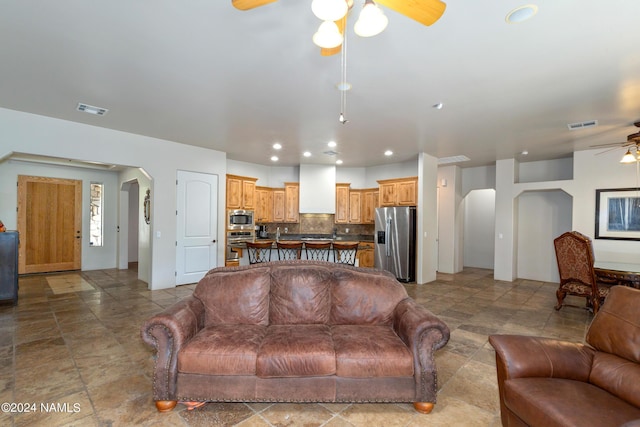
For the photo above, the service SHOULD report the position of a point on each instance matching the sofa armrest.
(168, 332)
(525, 356)
(423, 333)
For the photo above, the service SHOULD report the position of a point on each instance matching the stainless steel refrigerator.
(395, 241)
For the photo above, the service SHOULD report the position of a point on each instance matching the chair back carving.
(317, 251)
(259, 252)
(289, 250)
(345, 253)
(574, 255)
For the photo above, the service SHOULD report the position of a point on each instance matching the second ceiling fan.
(372, 21)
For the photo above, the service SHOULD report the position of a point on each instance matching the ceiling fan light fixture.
(329, 10)
(372, 21)
(628, 157)
(328, 35)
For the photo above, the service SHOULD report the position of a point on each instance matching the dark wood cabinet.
(9, 267)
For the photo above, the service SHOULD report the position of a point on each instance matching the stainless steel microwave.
(240, 219)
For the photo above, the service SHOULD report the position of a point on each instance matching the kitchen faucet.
(277, 234)
(335, 232)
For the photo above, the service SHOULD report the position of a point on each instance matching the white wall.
(479, 224)
(543, 216)
(30, 133)
(92, 257)
(450, 219)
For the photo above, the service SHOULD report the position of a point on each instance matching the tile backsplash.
(320, 224)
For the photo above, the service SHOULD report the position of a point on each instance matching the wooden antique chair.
(345, 253)
(317, 251)
(574, 254)
(259, 252)
(289, 250)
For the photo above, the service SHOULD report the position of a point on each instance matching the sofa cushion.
(555, 402)
(300, 296)
(235, 297)
(370, 351)
(222, 350)
(296, 351)
(364, 298)
(617, 375)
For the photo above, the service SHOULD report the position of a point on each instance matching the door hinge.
(176, 243)
(175, 273)
(176, 182)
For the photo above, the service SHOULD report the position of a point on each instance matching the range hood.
(317, 189)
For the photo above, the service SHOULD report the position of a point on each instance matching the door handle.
(214, 241)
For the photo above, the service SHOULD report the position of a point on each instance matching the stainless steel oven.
(241, 236)
(240, 219)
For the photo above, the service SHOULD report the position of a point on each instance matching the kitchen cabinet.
(264, 204)
(241, 192)
(342, 204)
(399, 192)
(370, 198)
(355, 207)
(292, 202)
(366, 255)
(278, 205)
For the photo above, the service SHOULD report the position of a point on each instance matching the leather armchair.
(549, 382)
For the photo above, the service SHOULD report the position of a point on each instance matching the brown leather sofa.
(547, 382)
(296, 331)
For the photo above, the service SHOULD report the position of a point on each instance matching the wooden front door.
(50, 224)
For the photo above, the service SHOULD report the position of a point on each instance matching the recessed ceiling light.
(332, 144)
(307, 154)
(277, 146)
(338, 162)
(274, 158)
(388, 153)
(521, 14)
(438, 106)
(343, 86)
(524, 153)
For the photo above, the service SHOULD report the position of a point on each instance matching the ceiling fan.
(426, 12)
(632, 143)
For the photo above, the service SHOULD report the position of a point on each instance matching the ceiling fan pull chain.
(343, 83)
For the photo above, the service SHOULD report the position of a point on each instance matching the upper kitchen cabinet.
(399, 192)
(342, 204)
(355, 207)
(370, 200)
(278, 205)
(264, 204)
(241, 192)
(292, 202)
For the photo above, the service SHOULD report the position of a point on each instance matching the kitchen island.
(365, 247)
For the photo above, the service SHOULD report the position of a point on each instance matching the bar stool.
(317, 251)
(259, 252)
(345, 253)
(289, 250)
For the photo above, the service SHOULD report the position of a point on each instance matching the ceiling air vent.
(453, 159)
(98, 111)
(330, 153)
(582, 125)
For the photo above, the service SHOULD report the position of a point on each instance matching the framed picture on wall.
(618, 214)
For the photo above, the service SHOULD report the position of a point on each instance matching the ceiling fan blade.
(425, 12)
(342, 24)
(249, 4)
(613, 144)
(607, 151)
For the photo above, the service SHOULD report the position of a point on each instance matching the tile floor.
(73, 341)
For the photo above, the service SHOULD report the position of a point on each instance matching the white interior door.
(197, 207)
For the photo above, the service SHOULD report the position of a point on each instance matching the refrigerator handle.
(387, 231)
